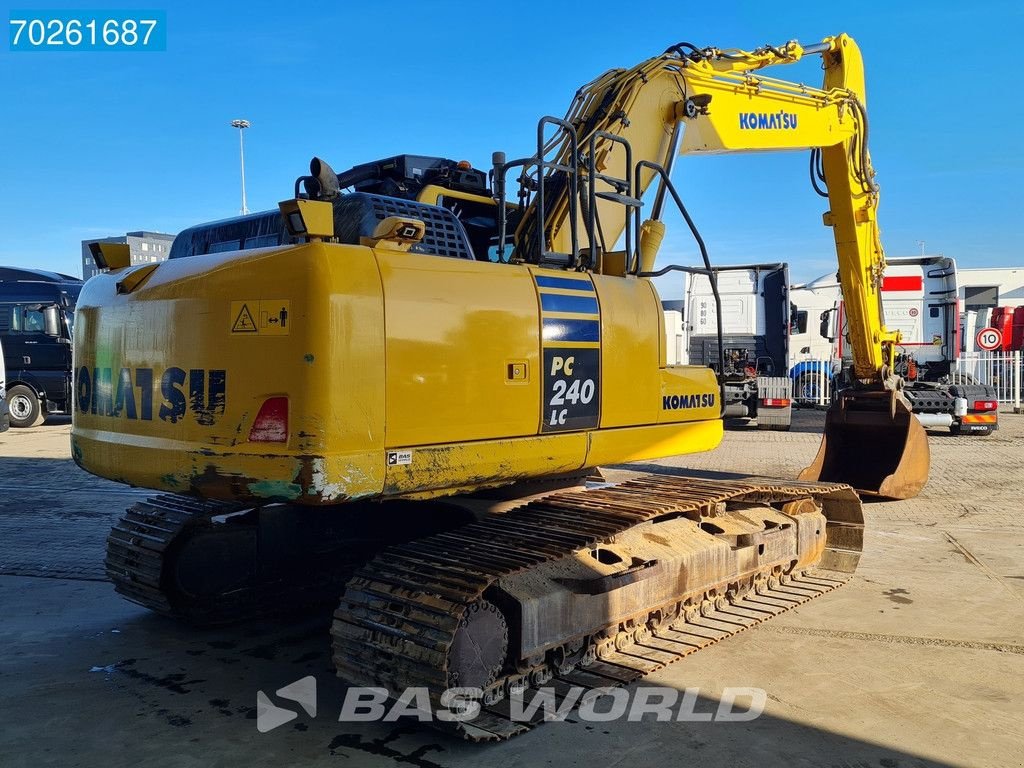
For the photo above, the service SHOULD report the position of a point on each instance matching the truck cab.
(756, 326)
(36, 325)
(919, 297)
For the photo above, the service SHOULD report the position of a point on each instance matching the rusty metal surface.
(874, 443)
(140, 541)
(213, 563)
(405, 611)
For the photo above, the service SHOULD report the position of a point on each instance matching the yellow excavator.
(391, 394)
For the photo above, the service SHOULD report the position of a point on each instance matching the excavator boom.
(711, 101)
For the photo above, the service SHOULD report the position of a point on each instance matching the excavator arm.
(712, 101)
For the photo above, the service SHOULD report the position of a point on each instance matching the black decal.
(206, 402)
(125, 397)
(197, 392)
(102, 394)
(572, 389)
(173, 407)
(144, 381)
(217, 392)
(84, 388)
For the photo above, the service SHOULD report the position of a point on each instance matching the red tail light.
(985, 405)
(271, 424)
(775, 402)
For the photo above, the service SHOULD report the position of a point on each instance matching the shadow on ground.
(146, 687)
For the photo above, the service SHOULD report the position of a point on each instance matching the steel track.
(400, 612)
(401, 609)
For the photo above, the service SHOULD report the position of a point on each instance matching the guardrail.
(812, 386)
(1003, 371)
(1000, 370)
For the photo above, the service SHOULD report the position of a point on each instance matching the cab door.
(36, 348)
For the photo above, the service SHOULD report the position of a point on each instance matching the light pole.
(241, 125)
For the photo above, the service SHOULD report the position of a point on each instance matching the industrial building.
(983, 288)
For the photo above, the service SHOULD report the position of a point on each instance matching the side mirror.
(51, 321)
(826, 324)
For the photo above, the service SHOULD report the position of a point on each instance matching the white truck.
(755, 335)
(811, 350)
(919, 297)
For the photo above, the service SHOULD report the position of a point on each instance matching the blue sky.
(95, 144)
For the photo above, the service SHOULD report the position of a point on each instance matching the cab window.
(798, 321)
(33, 321)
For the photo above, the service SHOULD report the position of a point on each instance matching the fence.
(813, 386)
(1003, 371)
(1000, 370)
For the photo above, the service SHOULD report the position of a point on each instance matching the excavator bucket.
(874, 443)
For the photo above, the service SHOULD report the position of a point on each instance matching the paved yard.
(916, 662)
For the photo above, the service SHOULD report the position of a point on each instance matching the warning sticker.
(264, 317)
(399, 457)
(243, 321)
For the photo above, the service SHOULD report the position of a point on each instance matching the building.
(982, 289)
(145, 247)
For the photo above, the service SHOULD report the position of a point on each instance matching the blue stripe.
(564, 282)
(558, 302)
(572, 330)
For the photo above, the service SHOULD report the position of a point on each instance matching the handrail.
(634, 267)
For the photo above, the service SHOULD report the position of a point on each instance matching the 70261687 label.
(87, 30)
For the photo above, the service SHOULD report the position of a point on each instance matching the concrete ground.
(917, 662)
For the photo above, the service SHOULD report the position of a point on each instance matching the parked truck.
(811, 350)
(919, 298)
(5, 416)
(37, 310)
(756, 325)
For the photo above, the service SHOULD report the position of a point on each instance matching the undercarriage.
(594, 587)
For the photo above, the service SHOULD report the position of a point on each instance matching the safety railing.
(812, 381)
(1003, 371)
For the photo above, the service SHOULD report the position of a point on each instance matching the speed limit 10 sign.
(989, 339)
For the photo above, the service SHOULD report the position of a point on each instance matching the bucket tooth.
(873, 442)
